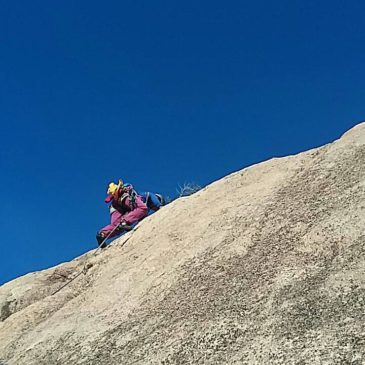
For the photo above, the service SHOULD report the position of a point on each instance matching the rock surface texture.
(265, 266)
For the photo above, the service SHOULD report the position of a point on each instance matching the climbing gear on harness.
(133, 198)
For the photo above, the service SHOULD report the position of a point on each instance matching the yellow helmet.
(113, 187)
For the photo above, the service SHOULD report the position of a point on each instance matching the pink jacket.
(131, 212)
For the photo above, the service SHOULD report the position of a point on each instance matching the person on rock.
(126, 209)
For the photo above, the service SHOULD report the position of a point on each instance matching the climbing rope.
(87, 265)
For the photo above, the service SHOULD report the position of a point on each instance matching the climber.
(126, 209)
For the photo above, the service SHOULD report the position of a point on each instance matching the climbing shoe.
(100, 238)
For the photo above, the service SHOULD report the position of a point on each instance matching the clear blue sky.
(158, 93)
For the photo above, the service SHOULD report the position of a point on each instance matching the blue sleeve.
(155, 201)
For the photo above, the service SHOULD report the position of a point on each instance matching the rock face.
(265, 266)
